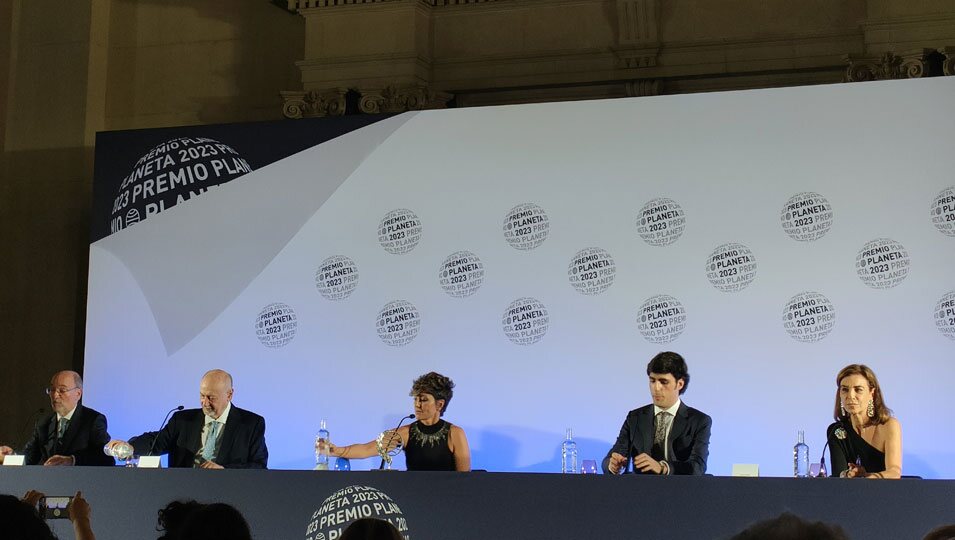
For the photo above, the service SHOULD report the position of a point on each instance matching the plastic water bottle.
(568, 454)
(122, 451)
(321, 456)
(801, 457)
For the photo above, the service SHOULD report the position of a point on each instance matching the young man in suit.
(73, 434)
(665, 437)
(218, 435)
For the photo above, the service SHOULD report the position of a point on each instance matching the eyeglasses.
(50, 390)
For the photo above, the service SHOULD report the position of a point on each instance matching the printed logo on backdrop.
(731, 267)
(461, 274)
(945, 315)
(943, 211)
(808, 317)
(337, 277)
(525, 321)
(398, 323)
(173, 172)
(352, 503)
(661, 222)
(882, 263)
(526, 226)
(399, 231)
(591, 271)
(276, 325)
(661, 319)
(806, 216)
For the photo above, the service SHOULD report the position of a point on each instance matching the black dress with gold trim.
(427, 448)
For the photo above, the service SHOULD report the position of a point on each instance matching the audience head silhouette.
(216, 521)
(791, 527)
(21, 521)
(371, 529)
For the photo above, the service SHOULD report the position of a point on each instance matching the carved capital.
(887, 66)
(643, 87)
(948, 64)
(392, 99)
(909, 65)
(314, 103)
(302, 5)
(638, 42)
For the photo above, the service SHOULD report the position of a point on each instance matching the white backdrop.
(183, 291)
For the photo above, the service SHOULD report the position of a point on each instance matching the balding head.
(215, 392)
(66, 389)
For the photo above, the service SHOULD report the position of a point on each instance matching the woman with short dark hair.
(430, 443)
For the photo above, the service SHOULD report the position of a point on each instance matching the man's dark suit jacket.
(84, 439)
(241, 446)
(689, 442)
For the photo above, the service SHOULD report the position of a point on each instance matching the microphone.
(153, 445)
(822, 461)
(33, 419)
(402, 421)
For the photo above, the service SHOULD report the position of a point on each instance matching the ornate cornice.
(314, 103)
(638, 42)
(643, 87)
(392, 99)
(302, 5)
(948, 65)
(911, 65)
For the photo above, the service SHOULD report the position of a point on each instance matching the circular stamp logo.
(731, 267)
(337, 277)
(807, 216)
(661, 319)
(808, 317)
(591, 271)
(525, 321)
(945, 315)
(943, 211)
(661, 222)
(882, 263)
(276, 325)
(398, 323)
(461, 274)
(526, 226)
(349, 504)
(170, 173)
(399, 231)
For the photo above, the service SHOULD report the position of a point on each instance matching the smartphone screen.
(55, 507)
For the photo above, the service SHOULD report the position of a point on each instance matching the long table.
(307, 505)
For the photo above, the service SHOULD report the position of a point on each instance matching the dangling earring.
(842, 407)
(870, 410)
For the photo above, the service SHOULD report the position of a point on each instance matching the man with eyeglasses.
(218, 435)
(73, 434)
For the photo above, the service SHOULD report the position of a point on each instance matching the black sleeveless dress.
(846, 446)
(427, 448)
